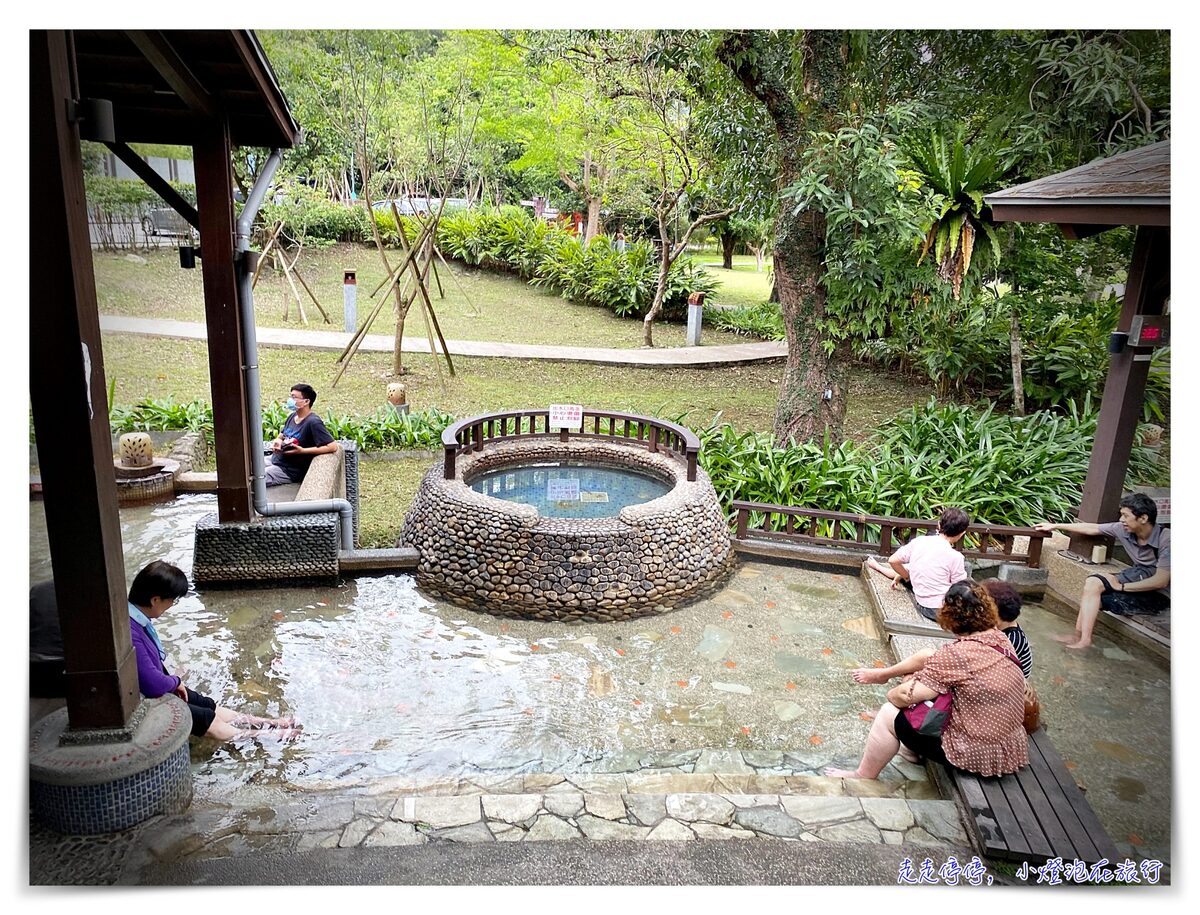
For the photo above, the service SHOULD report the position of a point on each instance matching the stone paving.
(534, 807)
(335, 341)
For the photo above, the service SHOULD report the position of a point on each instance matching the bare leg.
(909, 665)
(882, 744)
(1089, 609)
(885, 571)
(243, 720)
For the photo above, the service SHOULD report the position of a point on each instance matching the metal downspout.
(245, 277)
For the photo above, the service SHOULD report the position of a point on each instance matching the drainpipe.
(245, 276)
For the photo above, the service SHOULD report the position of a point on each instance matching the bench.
(1036, 814)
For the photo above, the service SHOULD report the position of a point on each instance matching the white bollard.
(350, 301)
(695, 318)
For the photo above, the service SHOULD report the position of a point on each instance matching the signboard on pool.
(566, 416)
(559, 490)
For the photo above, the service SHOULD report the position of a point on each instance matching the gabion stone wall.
(300, 547)
(281, 548)
(506, 559)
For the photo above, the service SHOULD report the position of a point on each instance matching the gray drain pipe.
(245, 276)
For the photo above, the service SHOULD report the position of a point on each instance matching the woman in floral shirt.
(985, 733)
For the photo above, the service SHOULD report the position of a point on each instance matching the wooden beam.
(157, 183)
(1077, 214)
(214, 193)
(1125, 386)
(250, 54)
(171, 67)
(70, 414)
(1077, 232)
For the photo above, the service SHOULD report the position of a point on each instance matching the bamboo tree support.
(426, 253)
(266, 252)
(300, 277)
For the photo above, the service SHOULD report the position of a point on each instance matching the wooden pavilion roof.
(1129, 189)
(164, 84)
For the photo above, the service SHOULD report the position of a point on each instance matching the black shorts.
(924, 746)
(203, 710)
(1124, 603)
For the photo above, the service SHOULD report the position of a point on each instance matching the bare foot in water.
(1079, 646)
(1068, 639)
(842, 773)
(869, 675)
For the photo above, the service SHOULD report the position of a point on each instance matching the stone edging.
(504, 558)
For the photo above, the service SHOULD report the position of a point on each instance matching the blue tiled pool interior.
(565, 489)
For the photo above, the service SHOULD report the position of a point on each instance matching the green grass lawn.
(743, 285)
(744, 395)
(478, 304)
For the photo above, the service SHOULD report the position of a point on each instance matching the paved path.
(335, 341)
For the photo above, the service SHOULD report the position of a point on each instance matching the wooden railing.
(850, 531)
(468, 435)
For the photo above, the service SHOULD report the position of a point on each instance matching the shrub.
(313, 219)
(763, 320)
(1001, 469)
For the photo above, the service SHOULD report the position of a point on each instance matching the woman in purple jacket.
(154, 591)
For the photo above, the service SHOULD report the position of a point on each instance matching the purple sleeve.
(152, 682)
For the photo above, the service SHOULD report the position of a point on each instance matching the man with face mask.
(303, 437)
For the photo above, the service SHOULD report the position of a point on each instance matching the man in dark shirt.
(1144, 588)
(303, 437)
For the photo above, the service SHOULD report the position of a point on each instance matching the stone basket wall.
(505, 558)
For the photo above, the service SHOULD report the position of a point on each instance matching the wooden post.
(70, 414)
(214, 195)
(1145, 293)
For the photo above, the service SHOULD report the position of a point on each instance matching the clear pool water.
(571, 490)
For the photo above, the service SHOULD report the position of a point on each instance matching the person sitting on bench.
(985, 733)
(154, 591)
(1144, 588)
(302, 438)
(931, 563)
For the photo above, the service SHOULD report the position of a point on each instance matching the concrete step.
(398, 559)
(196, 481)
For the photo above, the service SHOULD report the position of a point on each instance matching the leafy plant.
(762, 320)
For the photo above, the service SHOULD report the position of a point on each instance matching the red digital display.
(1151, 334)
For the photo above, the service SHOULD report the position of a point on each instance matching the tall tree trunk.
(812, 392)
(660, 288)
(1018, 378)
(728, 241)
(592, 226)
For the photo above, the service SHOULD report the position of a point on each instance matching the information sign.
(566, 416)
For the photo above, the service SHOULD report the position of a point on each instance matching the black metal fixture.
(94, 116)
(1116, 342)
(187, 256)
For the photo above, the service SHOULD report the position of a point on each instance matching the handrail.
(471, 434)
(888, 525)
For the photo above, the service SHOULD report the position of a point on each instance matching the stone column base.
(89, 782)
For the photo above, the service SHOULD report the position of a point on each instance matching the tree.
(798, 78)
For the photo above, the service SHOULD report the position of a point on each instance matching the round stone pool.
(585, 530)
(571, 489)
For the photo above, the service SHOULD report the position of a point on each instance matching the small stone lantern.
(136, 449)
(397, 398)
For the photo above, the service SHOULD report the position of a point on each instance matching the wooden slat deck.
(1036, 814)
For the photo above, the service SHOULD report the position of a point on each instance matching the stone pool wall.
(505, 558)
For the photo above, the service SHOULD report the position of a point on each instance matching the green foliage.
(121, 198)
(762, 320)
(313, 219)
(151, 415)
(1001, 469)
(382, 430)
(550, 256)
